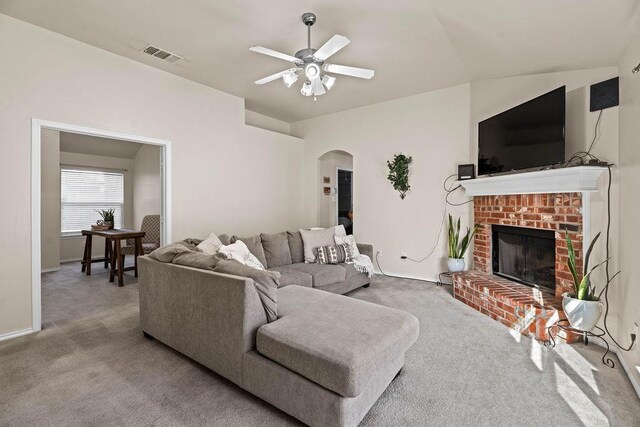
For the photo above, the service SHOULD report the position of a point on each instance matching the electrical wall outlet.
(403, 255)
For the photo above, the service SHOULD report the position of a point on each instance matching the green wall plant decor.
(399, 173)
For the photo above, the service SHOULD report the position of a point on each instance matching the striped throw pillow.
(337, 254)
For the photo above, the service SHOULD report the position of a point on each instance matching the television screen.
(530, 135)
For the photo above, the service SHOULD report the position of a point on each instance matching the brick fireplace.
(527, 309)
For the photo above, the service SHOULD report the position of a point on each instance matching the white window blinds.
(84, 192)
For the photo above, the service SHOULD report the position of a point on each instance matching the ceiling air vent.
(162, 54)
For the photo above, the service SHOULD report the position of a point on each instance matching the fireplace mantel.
(563, 180)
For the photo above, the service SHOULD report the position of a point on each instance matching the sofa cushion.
(254, 244)
(292, 277)
(337, 342)
(276, 249)
(225, 239)
(322, 274)
(351, 270)
(311, 239)
(296, 247)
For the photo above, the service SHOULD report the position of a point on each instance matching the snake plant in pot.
(457, 247)
(583, 307)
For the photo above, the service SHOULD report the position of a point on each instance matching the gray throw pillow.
(254, 244)
(276, 249)
(314, 238)
(169, 252)
(296, 247)
(266, 282)
(199, 260)
(225, 239)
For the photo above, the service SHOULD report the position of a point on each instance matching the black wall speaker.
(605, 94)
(466, 172)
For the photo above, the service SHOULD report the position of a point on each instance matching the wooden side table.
(113, 251)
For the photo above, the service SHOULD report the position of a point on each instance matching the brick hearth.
(523, 308)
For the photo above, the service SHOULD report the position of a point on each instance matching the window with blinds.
(86, 191)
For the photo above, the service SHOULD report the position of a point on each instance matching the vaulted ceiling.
(413, 45)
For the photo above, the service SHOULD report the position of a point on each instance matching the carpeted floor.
(91, 366)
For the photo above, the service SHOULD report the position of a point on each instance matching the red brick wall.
(559, 212)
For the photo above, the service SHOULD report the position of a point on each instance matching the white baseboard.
(50, 270)
(16, 334)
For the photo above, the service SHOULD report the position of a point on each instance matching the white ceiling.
(413, 45)
(96, 146)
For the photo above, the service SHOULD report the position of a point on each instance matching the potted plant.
(457, 247)
(583, 307)
(107, 217)
(399, 173)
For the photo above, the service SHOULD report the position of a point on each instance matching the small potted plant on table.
(583, 307)
(457, 247)
(107, 220)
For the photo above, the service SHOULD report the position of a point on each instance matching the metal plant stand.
(448, 276)
(600, 333)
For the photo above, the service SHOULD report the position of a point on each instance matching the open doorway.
(77, 172)
(344, 178)
(335, 189)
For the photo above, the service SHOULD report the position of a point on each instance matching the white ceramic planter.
(582, 315)
(455, 264)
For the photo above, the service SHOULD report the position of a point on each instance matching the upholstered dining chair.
(151, 241)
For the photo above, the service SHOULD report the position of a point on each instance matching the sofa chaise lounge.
(325, 360)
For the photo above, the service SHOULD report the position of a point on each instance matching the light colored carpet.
(91, 366)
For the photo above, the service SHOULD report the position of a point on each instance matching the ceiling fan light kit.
(310, 63)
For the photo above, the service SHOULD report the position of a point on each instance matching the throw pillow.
(296, 247)
(210, 245)
(336, 254)
(254, 243)
(340, 231)
(311, 239)
(276, 249)
(350, 241)
(240, 253)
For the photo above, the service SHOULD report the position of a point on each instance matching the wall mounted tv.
(529, 136)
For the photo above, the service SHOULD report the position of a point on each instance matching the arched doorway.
(335, 189)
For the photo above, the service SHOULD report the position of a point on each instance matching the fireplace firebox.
(525, 255)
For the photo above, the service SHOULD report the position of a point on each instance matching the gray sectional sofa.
(325, 359)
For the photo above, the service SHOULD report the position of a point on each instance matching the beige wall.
(625, 292)
(146, 184)
(258, 120)
(327, 205)
(55, 78)
(433, 128)
(71, 248)
(50, 200)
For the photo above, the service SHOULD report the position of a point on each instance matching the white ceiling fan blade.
(334, 44)
(275, 54)
(362, 73)
(317, 87)
(275, 76)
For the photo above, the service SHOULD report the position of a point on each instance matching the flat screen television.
(530, 135)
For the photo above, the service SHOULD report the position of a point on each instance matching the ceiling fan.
(310, 64)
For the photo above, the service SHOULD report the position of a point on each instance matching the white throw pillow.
(313, 238)
(340, 231)
(240, 253)
(350, 241)
(210, 245)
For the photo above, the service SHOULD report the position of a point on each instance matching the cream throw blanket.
(363, 264)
